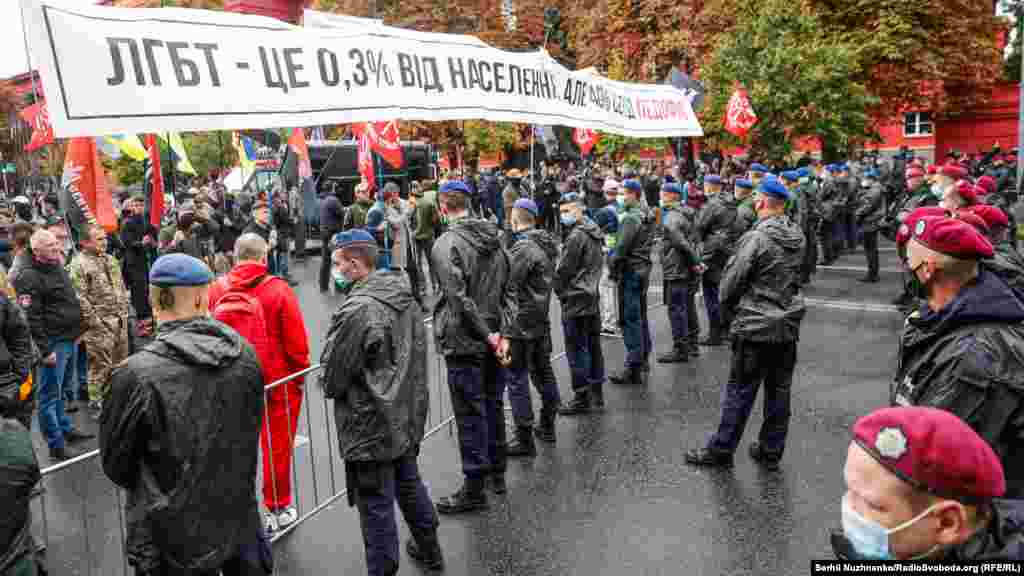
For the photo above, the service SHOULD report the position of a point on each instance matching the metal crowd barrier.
(90, 545)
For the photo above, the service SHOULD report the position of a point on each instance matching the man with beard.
(680, 262)
(960, 351)
(716, 223)
(577, 280)
(761, 292)
(532, 257)
(375, 370)
(474, 306)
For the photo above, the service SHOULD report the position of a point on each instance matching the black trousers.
(810, 265)
(325, 260)
(828, 247)
(871, 251)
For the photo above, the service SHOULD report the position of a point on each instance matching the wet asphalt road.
(613, 496)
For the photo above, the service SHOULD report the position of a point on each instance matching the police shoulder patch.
(920, 228)
(891, 443)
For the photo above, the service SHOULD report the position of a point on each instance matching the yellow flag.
(184, 166)
(129, 145)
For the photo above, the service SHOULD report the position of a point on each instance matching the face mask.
(621, 201)
(341, 281)
(568, 219)
(937, 191)
(869, 540)
(865, 183)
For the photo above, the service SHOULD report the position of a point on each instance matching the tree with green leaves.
(801, 83)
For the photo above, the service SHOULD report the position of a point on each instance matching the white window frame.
(920, 120)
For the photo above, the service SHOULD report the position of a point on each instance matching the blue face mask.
(868, 539)
(568, 219)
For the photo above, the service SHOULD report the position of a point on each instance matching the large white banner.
(123, 70)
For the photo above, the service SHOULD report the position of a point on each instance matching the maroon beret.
(914, 172)
(979, 224)
(951, 237)
(932, 450)
(954, 171)
(903, 234)
(967, 191)
(994, 217)
(988, 183)
(933, 169)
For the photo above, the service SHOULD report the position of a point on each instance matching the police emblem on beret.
(891, 443)
(919, 229)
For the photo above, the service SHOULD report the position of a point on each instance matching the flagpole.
(533, 183)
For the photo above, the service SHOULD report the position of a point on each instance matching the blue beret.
(844, 167)
(760, 168)
(354, 237)
(745, 184)
(871, 173)
(773, 187)
(607, 219)
(672, 188)
(791, 175)
(833, 168)
(571, 198)
(454, 186)
(713, 179)
(179, 270)
(632, 184)
(804, 172)
(528, 205)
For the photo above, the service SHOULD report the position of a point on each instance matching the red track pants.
(283, 404)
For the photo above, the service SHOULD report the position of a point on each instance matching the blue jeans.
(53, 422)
(754, 363)
(80, 379)
(636, 331)
(583, 351)
(398, 480)
(465, 383)
(712, 305)
(678, 297)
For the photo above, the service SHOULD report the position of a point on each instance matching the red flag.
(154, 180)
(86, 183)
(39, 118)
(385, 140)
(586, 139)
(297, 142)
(365, 154)
(739, 117)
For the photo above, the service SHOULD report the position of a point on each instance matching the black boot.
(709, 458)
(678, 355)
(428, 555)
(580, 405)
(767, 460)
(498, 482)
(868, 279)
(627, 376)
(714, 336)
(597, 397)
(469, 498)
(523, 445)
(545, 429)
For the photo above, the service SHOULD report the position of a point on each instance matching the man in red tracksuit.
(286, 354)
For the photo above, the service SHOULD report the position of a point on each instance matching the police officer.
(869, 216)
(762, 286)
(921, 485)
(716, 224)
(848, 206)
(532, 257)
(631, 263)
(919, 194)
(375, 370)
(577, 279)
(810, 215)
(746, 216)
(960, 350)
(1006, 261)
(831, 200)
(474, 306)
(680, 262)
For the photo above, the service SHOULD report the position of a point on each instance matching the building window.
(917, 124)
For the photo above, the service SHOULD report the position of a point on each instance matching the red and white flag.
(154, 180)
(586, 139)
(739, 116)
(39, 118)
(297, 142)
(386, 140)
(365, 154)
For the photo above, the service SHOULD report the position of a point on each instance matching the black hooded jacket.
(375, 369)
(532, 259)
(578, 275)
(761, 285)
(19, 473)
(476, 298)
(180, 432)
(716, 222)
(679, 253)
(51, 305)
(968, 358)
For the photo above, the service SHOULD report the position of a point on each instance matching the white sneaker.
(287, 517)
